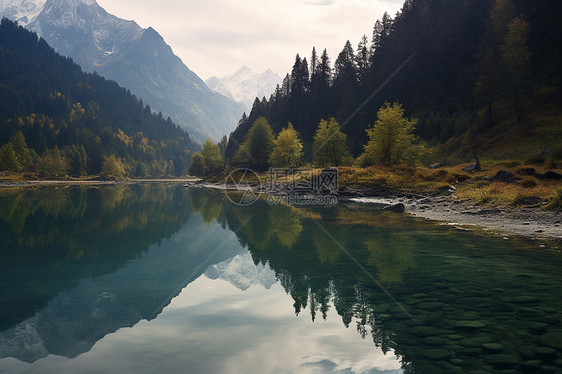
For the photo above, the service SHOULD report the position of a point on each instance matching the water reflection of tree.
(286, 223)
(328, 251)
(207, 203)
(318, 275)
(39, 219)
(389, 253)
(260, 225)
(66, 231)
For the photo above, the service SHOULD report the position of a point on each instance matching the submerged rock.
(435, 354)
(470, 324)
(546, 353)
(475, 342)
(501, 360)
(525, 299)
(492, 346)
(527, 351)
(426, 331)
(470, 316)
(455, 336)
(470, 351)
(434, 341)
(550, 369)
(538, 326)
(531, 366)
(398, 208)
(431, 305)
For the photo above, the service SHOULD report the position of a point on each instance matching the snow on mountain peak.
(244, 85)
(244, 69)
(89, 26)
(72, 3)
(22, 11)
(27, 11)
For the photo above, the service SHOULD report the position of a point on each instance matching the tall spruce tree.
(362, 59)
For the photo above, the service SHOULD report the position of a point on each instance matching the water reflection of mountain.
(137, 253)
(465, 302)
(242, 272)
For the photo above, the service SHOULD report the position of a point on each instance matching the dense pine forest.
(478, 76)
(58, 121)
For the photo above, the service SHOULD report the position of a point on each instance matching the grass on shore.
(528, 191)
(478, 187)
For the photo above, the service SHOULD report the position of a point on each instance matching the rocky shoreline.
(526, 221)
(531, 222)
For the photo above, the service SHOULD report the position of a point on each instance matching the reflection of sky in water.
(163, 292)
(213, 327)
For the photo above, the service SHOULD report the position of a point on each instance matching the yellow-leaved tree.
(113, 168)
(391, 139)
(287, 149)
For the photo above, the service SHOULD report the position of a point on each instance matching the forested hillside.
(56, 120)
(479, 75)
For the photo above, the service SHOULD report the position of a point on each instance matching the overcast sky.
(216, 37)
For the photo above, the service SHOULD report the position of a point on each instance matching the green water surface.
(158, 278)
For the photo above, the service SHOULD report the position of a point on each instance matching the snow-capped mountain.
(22, 11)
(138, 59)
(244, 85)
(241, 272)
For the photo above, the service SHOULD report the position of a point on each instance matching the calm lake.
(156, 278)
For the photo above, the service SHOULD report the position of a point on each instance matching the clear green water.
(156, 278)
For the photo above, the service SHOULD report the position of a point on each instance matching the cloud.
(319, 2)
(213, 327)
(216, 37)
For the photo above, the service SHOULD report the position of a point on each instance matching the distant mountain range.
(244, 85)
(242, 272)
(138, 59)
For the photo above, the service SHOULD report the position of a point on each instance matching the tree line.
(391, 140)
(56, 120)
(458, 66)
